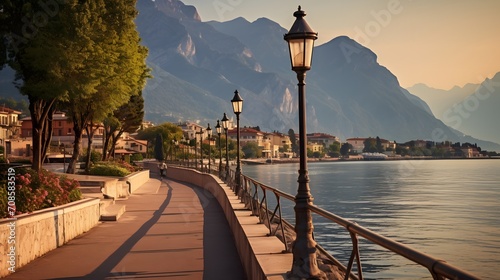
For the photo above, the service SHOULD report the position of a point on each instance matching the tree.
(370, 145)
(159, 152)
(34, 51)
(115, 66)
(293, 139)
(345, 149)
(168, 132)
(334, 149)
(127, 118)
(378, 144)
(83, 53)
(252, 150)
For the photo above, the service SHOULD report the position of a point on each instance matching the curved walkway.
(170, 230)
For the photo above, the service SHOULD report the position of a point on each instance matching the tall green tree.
(251, 150)
(84, 53)
(334, 149)
(117, 68)
(168, 131)
(378, 144)
(370, 145)
(159, 151)
(129, 118)
(293, 139)
(345, 149)
(34, 34)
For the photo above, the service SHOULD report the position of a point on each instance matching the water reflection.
(446, 208)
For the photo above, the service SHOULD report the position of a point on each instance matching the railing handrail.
(437, 268)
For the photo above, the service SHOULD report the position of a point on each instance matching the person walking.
(163, 169)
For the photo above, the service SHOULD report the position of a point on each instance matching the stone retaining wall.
(42, 231)
(135, 180)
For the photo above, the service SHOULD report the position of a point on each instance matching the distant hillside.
(472, 109)
(7, 88)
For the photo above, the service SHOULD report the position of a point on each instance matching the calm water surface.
(449, 209)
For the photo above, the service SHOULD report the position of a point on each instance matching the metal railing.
(256, 197)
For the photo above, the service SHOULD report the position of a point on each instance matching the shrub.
(126, 165)
(136, 157)
(95, 156)
(3, 201)
(109, 169)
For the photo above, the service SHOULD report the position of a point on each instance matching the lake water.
(449, 209)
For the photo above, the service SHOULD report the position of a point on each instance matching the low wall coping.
(49, 212)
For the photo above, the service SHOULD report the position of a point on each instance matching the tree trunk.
(90, 138)
(76, 149)
(112, 148)
(105, 144)
(114, 140)
(47, 133)
(39, 111)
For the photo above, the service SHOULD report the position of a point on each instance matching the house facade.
(9, 123)
(247, 135)
(63, 134)
(322, 139)
(190, 130)
(357, 143)
(10, 130)
(273, 142)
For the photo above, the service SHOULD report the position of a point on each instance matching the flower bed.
(38, 190)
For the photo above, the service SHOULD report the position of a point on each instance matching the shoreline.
(297, 160)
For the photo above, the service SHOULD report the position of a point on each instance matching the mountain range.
(472, 109)
(197, 66)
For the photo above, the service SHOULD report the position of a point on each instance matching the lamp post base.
(305, 265)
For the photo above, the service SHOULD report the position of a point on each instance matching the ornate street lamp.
(201, 149)
(300, 40)
(218, 129)
(237, 103)
(188, 151)
(225, 125)
(209, 136)
(196, 149)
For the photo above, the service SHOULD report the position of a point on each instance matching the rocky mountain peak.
(177, 9)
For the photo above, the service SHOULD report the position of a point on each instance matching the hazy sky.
(440, 43)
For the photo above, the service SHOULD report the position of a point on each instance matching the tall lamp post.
(225, 125)
(196, 150)
(300, 40)
(209, 136)
(201, 149)
(218, 129)
(237, 103)
(188, 151)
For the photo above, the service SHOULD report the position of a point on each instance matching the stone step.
(90, 189)
(112, 212)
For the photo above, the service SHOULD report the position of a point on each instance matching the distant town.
(254, 143)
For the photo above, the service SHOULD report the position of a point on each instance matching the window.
(69, 130)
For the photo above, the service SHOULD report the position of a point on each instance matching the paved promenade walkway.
(170, 230)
